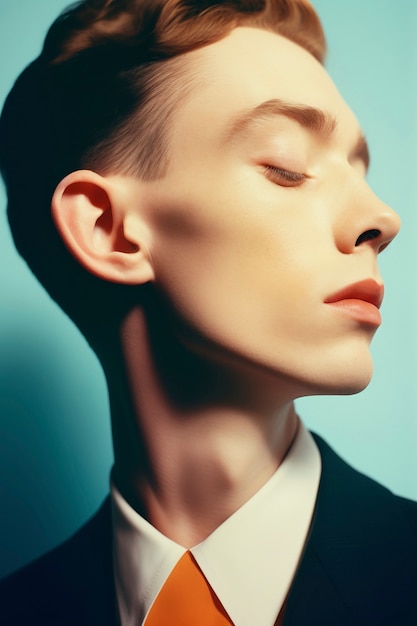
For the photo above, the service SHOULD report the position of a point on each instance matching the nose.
(372, 223)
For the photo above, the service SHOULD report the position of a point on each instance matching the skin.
(239, 259)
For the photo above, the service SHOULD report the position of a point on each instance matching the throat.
(200, 475)
(186, 461)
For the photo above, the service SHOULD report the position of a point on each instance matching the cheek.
(202, 269)
(197, 270)
(236, 258)
(228, 278)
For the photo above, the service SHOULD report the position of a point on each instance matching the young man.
(187, 182)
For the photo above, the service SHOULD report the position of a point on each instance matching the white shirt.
(249, 560)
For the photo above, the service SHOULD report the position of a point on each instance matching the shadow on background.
(51, 460)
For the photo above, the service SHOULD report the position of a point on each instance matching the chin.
(351, 383)
(342, 381)
(351, 388)
(347, 371)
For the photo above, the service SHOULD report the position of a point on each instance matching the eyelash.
(292, 178)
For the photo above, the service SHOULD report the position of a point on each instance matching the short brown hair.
(101, 96)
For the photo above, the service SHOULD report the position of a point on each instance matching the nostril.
(368, 235)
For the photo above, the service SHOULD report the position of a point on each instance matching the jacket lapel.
(314, 600)
(353, 571)
(317, 597)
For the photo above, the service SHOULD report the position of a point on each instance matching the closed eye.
(285, 178)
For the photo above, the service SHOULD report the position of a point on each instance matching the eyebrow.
(316, 121)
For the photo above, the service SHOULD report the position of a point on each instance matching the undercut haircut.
(102, 95)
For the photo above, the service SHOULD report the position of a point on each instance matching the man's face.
(256, 224)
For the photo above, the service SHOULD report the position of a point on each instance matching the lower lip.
(361, 311)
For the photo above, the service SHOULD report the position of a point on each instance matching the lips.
(366, 290)
(360, 300)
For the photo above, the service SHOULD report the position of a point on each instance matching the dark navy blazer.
(359, 567)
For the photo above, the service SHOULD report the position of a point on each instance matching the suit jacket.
(359, 566)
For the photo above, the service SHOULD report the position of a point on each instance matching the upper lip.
(367, 290)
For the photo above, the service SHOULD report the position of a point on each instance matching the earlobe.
(102, 228)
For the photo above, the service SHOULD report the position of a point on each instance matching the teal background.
(55, 448)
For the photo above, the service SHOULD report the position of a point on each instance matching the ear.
(99, 221)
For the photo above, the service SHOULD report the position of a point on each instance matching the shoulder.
(70, 585)
(365, 539)
(367, 500)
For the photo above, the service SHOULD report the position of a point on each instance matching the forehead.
(252, 66)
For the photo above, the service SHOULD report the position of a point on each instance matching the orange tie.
(186, 599)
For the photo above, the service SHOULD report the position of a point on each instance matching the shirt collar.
(249, 560)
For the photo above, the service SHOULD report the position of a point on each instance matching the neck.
(187, 459)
